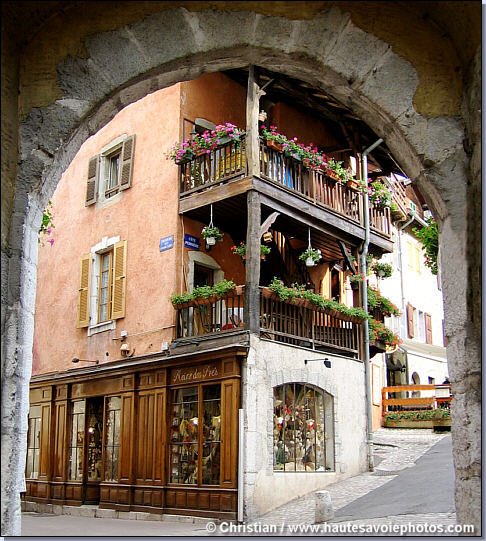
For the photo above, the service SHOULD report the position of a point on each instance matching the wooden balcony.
(295, 323)
(226, 165)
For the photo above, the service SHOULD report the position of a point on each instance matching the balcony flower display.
(376, 301)
(311, 257)
(380, 196)
(295, 293)
(241, 250)
(211, 234)
(205, 143)
(205, 293)
(356, 279)
(378, 332)
(309, 155)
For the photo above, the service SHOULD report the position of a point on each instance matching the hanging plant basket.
(309, 262)
(355, 286)
(210, 241)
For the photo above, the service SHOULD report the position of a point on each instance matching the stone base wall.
(270, 364)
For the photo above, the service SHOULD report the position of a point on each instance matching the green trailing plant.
(383, 270)
(286, 293)
(310, 253)
(419, 415)
(241, 249)
(429, 237)
(376, 301)
(378, 332)
(223, 288)
(338, 168)
(357, 278)
(212, 231)
(220, 289)
(181, 298)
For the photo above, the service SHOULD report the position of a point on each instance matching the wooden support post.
(252, 109)
(252, 293)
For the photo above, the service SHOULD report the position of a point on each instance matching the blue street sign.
(166, 243)
(191, 242)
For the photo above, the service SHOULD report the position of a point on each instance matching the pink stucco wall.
(142, 215)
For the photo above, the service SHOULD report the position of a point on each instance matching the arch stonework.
(432, 132)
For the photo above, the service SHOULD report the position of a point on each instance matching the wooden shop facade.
(157, 435)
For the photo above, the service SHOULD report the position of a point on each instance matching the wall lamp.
(326, 361)
(77, 360)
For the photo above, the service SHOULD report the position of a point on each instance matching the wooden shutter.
(410, 320)
(119, 279)
(84, 289)
(93, 174)
(127, 163)
(428, 329)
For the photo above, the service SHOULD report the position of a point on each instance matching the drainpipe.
(364, 270)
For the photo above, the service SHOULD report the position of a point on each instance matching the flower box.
(274, 145)
(352, 184)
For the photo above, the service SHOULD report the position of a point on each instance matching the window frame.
(34, 434)
(326, 444)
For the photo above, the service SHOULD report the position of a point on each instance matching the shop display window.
(112, 439)
(76, 442)
(195, 449)
(33, 443)
(303, 429)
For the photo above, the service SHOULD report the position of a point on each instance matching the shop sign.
(191, 242)
(198, 373)
(166, 243)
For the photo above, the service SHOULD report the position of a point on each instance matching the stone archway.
(334, 51)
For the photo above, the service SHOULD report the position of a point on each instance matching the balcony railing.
(208, 316)
(224, 163)
(228, 162)
(380, 220)
(297, 323)
(289, 322)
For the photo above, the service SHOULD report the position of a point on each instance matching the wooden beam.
(252, 109)
(252, 293)
(215, 194)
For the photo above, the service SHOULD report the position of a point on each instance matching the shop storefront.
(159, 437)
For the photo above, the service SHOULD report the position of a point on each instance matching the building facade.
(230, 403)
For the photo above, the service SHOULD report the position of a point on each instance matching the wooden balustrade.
(380, 220)
(219, 165)
(299, 324)
(213, 315)
(228, 162)
(290, 322)
(336, 196)
(414, 397)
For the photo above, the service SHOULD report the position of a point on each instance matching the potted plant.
(355, 280)
(311, 256)
(241, 250)
(211, 234)
(382, 270)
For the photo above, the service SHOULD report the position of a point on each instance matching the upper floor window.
(102, 285)
(419, 325)
(111, 171)
(414, 257)
(303, 428)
